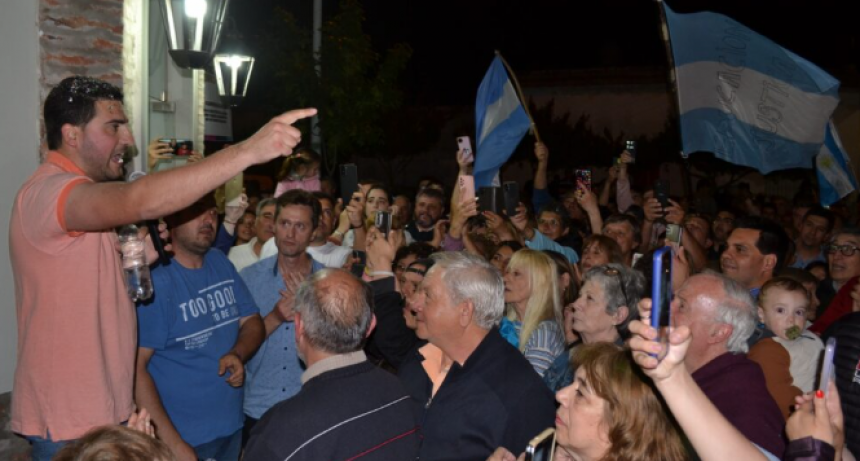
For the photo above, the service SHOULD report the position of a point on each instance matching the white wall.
(180, 84)
(19, 155)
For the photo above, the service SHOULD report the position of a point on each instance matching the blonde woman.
(534, 319)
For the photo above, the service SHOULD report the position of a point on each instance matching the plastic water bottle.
(137, 279)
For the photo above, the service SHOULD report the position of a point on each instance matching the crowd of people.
(292, 326)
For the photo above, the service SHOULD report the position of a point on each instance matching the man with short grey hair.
(244, 255)
(476, 392)
(719, 313)
(347, 407)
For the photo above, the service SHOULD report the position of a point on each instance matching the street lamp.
(233, 72)
(193, 29)
(233, 65)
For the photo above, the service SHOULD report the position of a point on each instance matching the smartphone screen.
(542, 447)
(184, 147)
(827, 365)
(661, 295)
(383, 222)
(465, 144)
(673, 233)
(348, 182)
(584, 177)
(512, 197)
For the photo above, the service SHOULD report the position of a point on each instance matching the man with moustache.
(755, 251)
(274, 374)
(195, 335)
(428, 210)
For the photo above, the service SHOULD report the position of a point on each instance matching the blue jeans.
(45, 449)
(222, 449)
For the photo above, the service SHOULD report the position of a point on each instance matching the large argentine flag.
(501, 123)
(835, 175)
(745, 98)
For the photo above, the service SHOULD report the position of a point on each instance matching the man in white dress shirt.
(244, 255)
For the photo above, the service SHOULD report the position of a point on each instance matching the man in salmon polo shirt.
(77, 332)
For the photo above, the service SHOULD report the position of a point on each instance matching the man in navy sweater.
(483, 393)
(346, 407)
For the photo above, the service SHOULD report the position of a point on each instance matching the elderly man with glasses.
(843, 259)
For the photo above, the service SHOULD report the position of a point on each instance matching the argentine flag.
(745, 98)
(835, 175)
(501, 123)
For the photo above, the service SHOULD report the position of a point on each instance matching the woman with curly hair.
(611, 412)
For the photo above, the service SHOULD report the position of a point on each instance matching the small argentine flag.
(745, 98)
(835, 175)
(501, 123)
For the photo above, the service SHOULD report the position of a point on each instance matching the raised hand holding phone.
(630, 150)
(661, 295)
(348, 182)
(827, 366)
(583, 179)
(465, 155)
(467, 187)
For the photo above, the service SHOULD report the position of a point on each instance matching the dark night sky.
(453, 41)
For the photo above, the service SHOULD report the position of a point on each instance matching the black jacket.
(391, 340)
(346, 413)
(846, 330)
(495, 399)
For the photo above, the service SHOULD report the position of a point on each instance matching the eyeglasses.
(846, 250)
(617, 274)
(415, 270)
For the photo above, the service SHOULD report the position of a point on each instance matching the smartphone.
(542, 447)
(465, 144)
(584, 177)
(673, 233)
(490, 199)
(661, 193)
(184, 147)
(827, 365)
(179, 146)
(630, 147)
(467, 187)
(661, 295)
(348, 182)
(233, 187)
(357, 268)
(512, 197)
(382, 222)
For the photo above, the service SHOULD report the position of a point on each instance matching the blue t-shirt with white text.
(190, 323)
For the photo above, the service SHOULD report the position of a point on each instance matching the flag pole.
(673, 84)
(519, 90)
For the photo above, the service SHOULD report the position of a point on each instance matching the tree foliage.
(355, 89)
